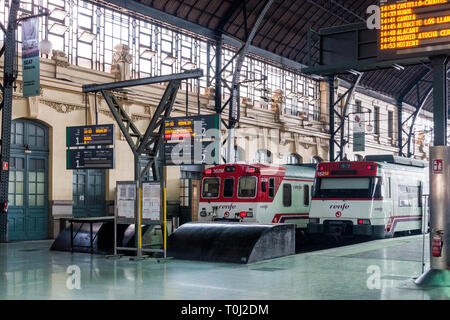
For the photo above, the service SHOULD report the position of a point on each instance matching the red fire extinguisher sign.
(438, 166)
(437, 246)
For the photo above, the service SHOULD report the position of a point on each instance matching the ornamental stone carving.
(121, 62)
(277, 100)
(60, 58)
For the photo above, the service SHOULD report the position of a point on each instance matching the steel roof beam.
(234, 112)
(143, 81)
(232, 10)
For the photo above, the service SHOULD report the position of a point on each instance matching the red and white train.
(257, 193)
(379, 197)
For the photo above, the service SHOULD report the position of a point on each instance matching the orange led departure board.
(414, 28)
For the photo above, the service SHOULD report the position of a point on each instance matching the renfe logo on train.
(342, 207)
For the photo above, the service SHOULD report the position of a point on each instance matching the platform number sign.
(438, 166)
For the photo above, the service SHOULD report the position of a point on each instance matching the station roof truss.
(282, 34)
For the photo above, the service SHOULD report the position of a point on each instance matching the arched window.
(358, 157)
(316, 160)
(294, 158)
(263, 156)
(27, 134)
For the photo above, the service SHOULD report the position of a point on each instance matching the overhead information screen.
(90, 135)
(413, 28)
(192, 140)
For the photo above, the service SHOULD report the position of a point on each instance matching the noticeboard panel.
(151, 201)
(126, 199)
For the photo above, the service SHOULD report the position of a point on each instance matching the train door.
(263, 213)
(28, 181)
(388, 199)
(394, 197)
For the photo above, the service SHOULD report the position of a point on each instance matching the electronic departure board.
(90, 159)
(90, 135)
(184, 127)
(192, 140)
(413, 28)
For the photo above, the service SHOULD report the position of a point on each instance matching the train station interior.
(224, 150)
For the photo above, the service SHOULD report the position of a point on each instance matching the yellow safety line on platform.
(165, 223)
(140, 218)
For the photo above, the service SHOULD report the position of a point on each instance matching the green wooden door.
(28, 181)
(89, 193)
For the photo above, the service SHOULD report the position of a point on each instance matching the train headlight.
(203, 213)
(314, 220)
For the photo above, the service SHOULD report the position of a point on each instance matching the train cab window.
(287, 195)
(211, 188)
(247, 187)
(271, 187)
(361, 188)
(306, 195)
(228, 188)
(263, 187)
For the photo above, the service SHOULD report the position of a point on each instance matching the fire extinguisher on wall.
(437, 244)
(5, 206)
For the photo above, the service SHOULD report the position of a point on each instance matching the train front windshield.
(211, 187)
(359, 188)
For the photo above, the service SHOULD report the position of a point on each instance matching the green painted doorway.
(89, 193)
(28, 181)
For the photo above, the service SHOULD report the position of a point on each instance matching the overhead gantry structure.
(288, 33)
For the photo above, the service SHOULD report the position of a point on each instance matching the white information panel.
(151, 201)
(126, 197)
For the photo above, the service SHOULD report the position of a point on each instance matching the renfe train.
(257, 193)
(378, 197)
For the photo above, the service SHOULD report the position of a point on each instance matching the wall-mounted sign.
(413, 28)
(90, 159)
(30, 57)
(90, 135)
(438, 166)
(359, 135)
(192, 140)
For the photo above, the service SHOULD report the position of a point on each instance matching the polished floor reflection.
(381, 269)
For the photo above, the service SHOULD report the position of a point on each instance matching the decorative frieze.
(62, 107)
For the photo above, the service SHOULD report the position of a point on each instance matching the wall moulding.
(62, 107)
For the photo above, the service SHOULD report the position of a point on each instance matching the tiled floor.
(30, 271)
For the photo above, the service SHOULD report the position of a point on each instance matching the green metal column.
(8, 80)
